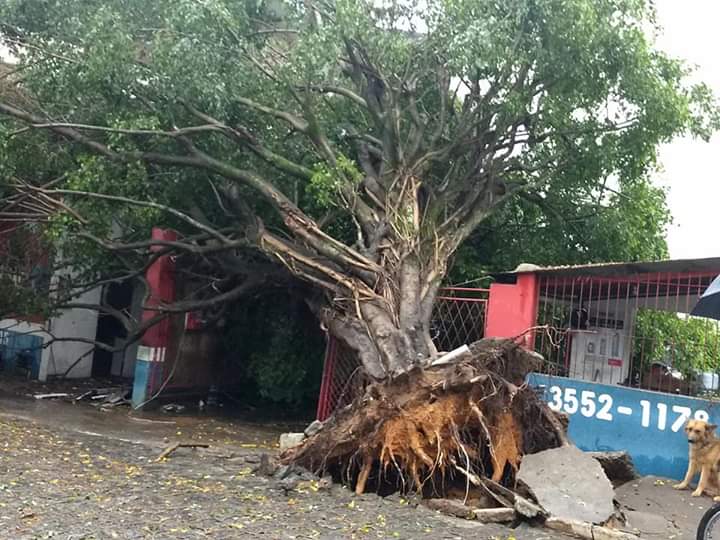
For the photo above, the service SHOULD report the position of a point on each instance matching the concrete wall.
(648, 425)
(72, 323)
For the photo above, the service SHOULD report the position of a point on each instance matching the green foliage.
(276, 344)
(324, 186)
(136, 62)
(21, 300)
(688, 344)
(24, 274)
(629, 225)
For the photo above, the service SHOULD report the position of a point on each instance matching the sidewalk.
(660, 512)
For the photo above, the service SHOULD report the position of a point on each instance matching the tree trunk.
(388, 337)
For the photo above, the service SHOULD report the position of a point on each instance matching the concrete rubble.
(569, 484)
(289, 440)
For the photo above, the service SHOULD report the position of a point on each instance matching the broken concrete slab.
(494, 515)
(618, 466)
(526, 508)
(313, 428)
(289, 440)
(649, 525)
(451, 507)
(569, 484)
(585, 530)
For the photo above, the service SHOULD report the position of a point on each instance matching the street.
(57, 481)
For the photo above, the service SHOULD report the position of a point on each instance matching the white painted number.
(591, 405)
(571, 401)
(606, 401)
(684, 413)
(645, 404)
(556, 403)
(587, 399)
(662, 416)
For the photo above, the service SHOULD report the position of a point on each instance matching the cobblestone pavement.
(57, 483)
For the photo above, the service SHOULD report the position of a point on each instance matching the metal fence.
(629, 330)
(459, 318)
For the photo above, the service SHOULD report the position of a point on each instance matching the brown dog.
(704, 457)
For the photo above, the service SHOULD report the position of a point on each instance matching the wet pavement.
(76, 472)
(657, 512)
(121, 423)
(56, 483)
(147, 428)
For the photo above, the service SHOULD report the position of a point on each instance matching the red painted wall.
(161, 281)
(512, 310)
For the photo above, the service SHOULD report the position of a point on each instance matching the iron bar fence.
(630, 330)
(459, 318)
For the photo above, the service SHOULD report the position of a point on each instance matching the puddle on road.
(154, 428)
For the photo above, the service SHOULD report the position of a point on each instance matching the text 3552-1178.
(601, 406)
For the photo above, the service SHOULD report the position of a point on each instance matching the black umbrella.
(709, 303)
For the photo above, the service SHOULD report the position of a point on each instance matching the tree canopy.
(354, 145)
(628, 225)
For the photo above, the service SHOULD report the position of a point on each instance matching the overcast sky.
(691, 167)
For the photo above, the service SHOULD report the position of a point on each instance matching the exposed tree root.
(462, 425)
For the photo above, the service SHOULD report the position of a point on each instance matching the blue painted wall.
(14, 343)
(648, 425)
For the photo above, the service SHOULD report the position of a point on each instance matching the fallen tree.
(464, 424)
(352, 146)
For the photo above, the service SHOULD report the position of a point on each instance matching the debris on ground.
(587, 531)
(267, 465)
(105, 398)
(102, 398)
(569, 484)
(170, 449)
(290, 440)
(313, 428)
(494, 515)
(618, 466)
(173, 408)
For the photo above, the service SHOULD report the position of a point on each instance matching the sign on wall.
(648, 425)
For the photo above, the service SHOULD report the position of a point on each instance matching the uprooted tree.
(350, 145)
(466, 422)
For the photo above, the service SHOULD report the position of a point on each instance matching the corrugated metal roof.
(676, 266)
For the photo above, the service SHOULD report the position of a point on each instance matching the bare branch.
(340, 91)
(296, 122)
